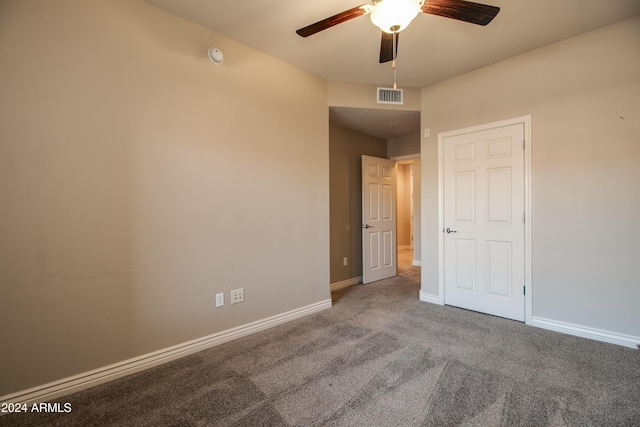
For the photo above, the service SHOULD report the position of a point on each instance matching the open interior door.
(379, 253)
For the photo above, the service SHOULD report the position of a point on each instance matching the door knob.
(448, 230)
(367, 226)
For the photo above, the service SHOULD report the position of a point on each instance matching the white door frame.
(526, 121)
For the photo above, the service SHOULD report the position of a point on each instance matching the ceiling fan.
(393, 16)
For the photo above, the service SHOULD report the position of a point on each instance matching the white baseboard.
(585, 332)
(345, 283)
(433, 299)
(417, 263)
(95, 377)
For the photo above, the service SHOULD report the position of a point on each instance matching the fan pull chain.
(395, 85)
(393, 63)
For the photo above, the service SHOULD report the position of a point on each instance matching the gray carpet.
(379, 357)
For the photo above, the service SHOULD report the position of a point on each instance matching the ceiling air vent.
(389, 96)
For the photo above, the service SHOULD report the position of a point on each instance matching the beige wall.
(346, 148)
(583, 95)
(138, 179)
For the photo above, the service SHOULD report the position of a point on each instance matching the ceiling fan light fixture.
(393, 16)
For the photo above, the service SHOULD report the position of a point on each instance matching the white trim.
(433, 299)
(585, 332)
(416, 263)
(528, 277)
(92, 378)
(345, 283)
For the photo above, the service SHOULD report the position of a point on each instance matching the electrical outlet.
(219, 299)
(237, 295)
(345, 261)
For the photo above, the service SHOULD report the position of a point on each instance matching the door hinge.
(523, 142)
(524, 290)
(524, 217)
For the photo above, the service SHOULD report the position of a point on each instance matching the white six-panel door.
(483, 221)
(379, 257)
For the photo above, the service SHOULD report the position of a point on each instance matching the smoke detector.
(216, 56)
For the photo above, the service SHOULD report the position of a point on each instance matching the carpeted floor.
(379, 357)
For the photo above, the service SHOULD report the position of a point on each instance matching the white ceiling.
(431, 49)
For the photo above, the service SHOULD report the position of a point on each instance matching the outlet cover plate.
(237, 295)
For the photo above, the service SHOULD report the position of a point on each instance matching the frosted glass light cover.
(394, 15)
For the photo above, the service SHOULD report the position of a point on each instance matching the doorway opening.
(408, 210)
(347, 143)
(405, 212)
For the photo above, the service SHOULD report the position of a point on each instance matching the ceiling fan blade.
(462, 10)
(334, 20)
(388, 51)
